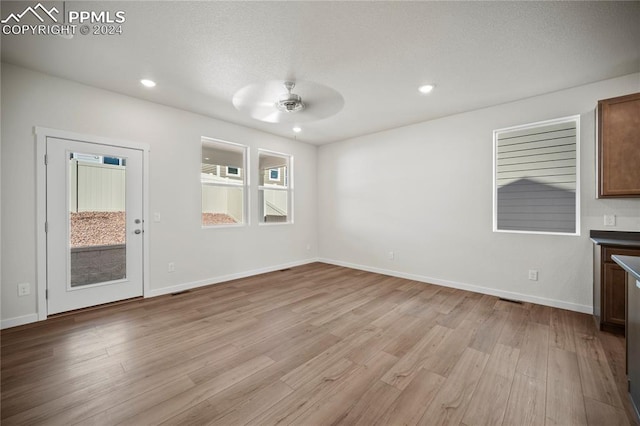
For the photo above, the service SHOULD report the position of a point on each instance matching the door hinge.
(46, 227)
(46, 160)
(46, 294)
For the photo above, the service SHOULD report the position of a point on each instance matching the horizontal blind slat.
(538, 129)
(537, 151)
(566, 227)
(543, 164)
(533, 145)
(533, 157)
(527, 174)
(537, 137)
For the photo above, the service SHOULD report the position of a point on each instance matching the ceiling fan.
(275, 102)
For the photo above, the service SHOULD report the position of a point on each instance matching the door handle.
(137, 231)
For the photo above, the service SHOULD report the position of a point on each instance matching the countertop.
(615, 238)
(631, 264)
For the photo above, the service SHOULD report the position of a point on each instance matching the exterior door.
(94, 224)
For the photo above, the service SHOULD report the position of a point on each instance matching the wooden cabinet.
(619, 146)
(613, 295)
(612, 289)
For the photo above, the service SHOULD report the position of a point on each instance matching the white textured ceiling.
(375, 54)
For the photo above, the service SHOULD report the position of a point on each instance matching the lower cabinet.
(613, 289)
(614, 295)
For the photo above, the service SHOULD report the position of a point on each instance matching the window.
(98, 159)
(275, 187)
(536, 179)
(224, 183)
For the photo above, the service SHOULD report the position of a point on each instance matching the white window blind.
(536, 177)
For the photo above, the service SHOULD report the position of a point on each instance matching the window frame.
(288, 187)
(245, 185)
(496, 133)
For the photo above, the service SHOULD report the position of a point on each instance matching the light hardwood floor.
(315, 345)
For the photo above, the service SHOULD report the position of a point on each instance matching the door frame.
(42, 133)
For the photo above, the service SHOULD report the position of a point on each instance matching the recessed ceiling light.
(427, 88)
(297, 129)
(148, 83)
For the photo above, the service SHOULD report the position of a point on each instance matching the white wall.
(200, 255)
(433, 204)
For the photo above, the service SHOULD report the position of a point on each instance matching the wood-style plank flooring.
(315, 345)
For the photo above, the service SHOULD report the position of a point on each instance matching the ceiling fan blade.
(323, 108)
(272, 116)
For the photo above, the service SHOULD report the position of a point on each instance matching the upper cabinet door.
(619, 146)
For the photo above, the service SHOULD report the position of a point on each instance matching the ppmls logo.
(49, 22)
(33, 11)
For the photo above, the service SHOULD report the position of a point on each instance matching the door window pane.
(97, 219)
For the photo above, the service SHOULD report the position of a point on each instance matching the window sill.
(224, 225)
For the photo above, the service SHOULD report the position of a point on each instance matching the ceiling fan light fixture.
(290, 102)
(297, 129)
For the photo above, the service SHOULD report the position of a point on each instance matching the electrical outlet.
(392, 255)
(609, 220)
(533, 275)
(308, 247)
(24, 289)
(172, 267)
(156, 217)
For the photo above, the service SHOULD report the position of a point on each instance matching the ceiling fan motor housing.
(290, 102)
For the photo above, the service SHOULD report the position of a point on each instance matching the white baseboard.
(585, 309)
(26, 319)
(14, 322)
(223, 278)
